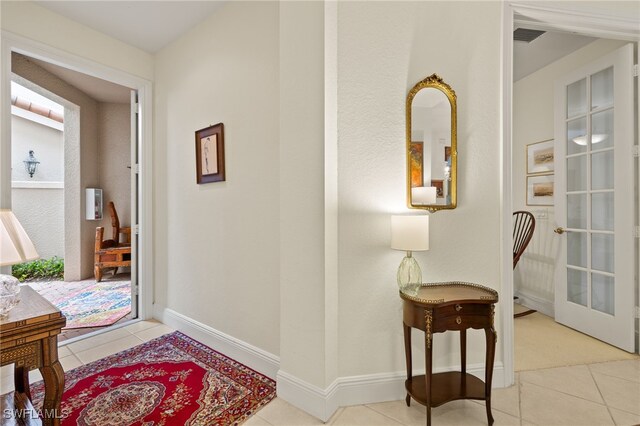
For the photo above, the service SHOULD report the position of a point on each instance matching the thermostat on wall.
(94, 204)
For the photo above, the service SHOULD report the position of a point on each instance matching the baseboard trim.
(357, 390)
(536, 302)
(261, 361)
(320, 403)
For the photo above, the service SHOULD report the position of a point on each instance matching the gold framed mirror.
(432, 148)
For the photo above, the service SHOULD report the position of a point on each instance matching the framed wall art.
(540, 190)
(210, 154)
(416, 161)
(439, 185)
(540, 157)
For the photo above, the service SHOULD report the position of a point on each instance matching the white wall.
(217, 244)
(38, 204)
(114, 158)
(384, 49)
(533, 117)
(47, 144)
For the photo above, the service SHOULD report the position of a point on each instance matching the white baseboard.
(261, 361)
(538, 303)
(320, 403)
(357, 390)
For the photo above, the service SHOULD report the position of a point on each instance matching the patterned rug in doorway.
(171, 380)
(87, 303)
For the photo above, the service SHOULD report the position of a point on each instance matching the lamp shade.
(15, 245)
(425, 195)
(410, 233)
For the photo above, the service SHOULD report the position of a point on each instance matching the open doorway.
(96, 177)
(547, 56)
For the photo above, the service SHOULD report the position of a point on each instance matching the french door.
(135, 186)
(594, 199)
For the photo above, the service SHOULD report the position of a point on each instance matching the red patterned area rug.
(171, 380)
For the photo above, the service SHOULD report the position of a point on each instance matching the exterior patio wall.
(38, 201)
(41, 213)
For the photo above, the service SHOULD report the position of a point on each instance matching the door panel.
(594, 199)
(135, 117)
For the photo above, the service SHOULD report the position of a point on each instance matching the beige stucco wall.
(114, 160)
(38, 201)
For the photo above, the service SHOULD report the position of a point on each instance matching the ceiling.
(148, 25)
(549, 47)
(99, 90)
(151, 25)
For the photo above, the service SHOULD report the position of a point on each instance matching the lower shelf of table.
(445, 387)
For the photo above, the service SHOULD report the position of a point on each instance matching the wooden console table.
(437, 308)
(29, 340)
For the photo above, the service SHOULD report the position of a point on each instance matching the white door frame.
(540, 17)
(15, 43)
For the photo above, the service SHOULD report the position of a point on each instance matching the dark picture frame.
(210, 154)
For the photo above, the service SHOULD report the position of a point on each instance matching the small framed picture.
(210, 154)
(540, 190)
(540, 157)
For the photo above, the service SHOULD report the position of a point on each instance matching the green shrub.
(40, 269)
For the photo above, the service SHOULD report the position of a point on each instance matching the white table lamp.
(409, 233)
(15, 247)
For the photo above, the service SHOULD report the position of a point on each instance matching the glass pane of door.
(577, 98)
(577, 286)
(602, 292)
(589, 186)
(602, 89)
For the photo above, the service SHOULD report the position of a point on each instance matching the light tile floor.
(600, 394)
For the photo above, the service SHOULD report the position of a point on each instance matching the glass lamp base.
(409, 275)
(9, 293)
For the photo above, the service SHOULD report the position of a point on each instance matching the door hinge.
(637, 313)
(134, 290)
(136, 167)
(636, 231)
(636, 70)
(136, 107)
(636, 150)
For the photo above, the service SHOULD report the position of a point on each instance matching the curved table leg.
(53, 376)
(490, 335)
(407, 354)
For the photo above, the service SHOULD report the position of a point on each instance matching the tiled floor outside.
(600, 394)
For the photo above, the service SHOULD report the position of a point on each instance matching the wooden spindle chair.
(523, 226)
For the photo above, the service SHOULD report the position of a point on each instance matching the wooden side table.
(29, 339)
(437, 308)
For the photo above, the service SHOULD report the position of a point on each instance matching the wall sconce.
(31, 164)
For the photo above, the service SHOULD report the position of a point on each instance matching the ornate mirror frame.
(436, 82)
